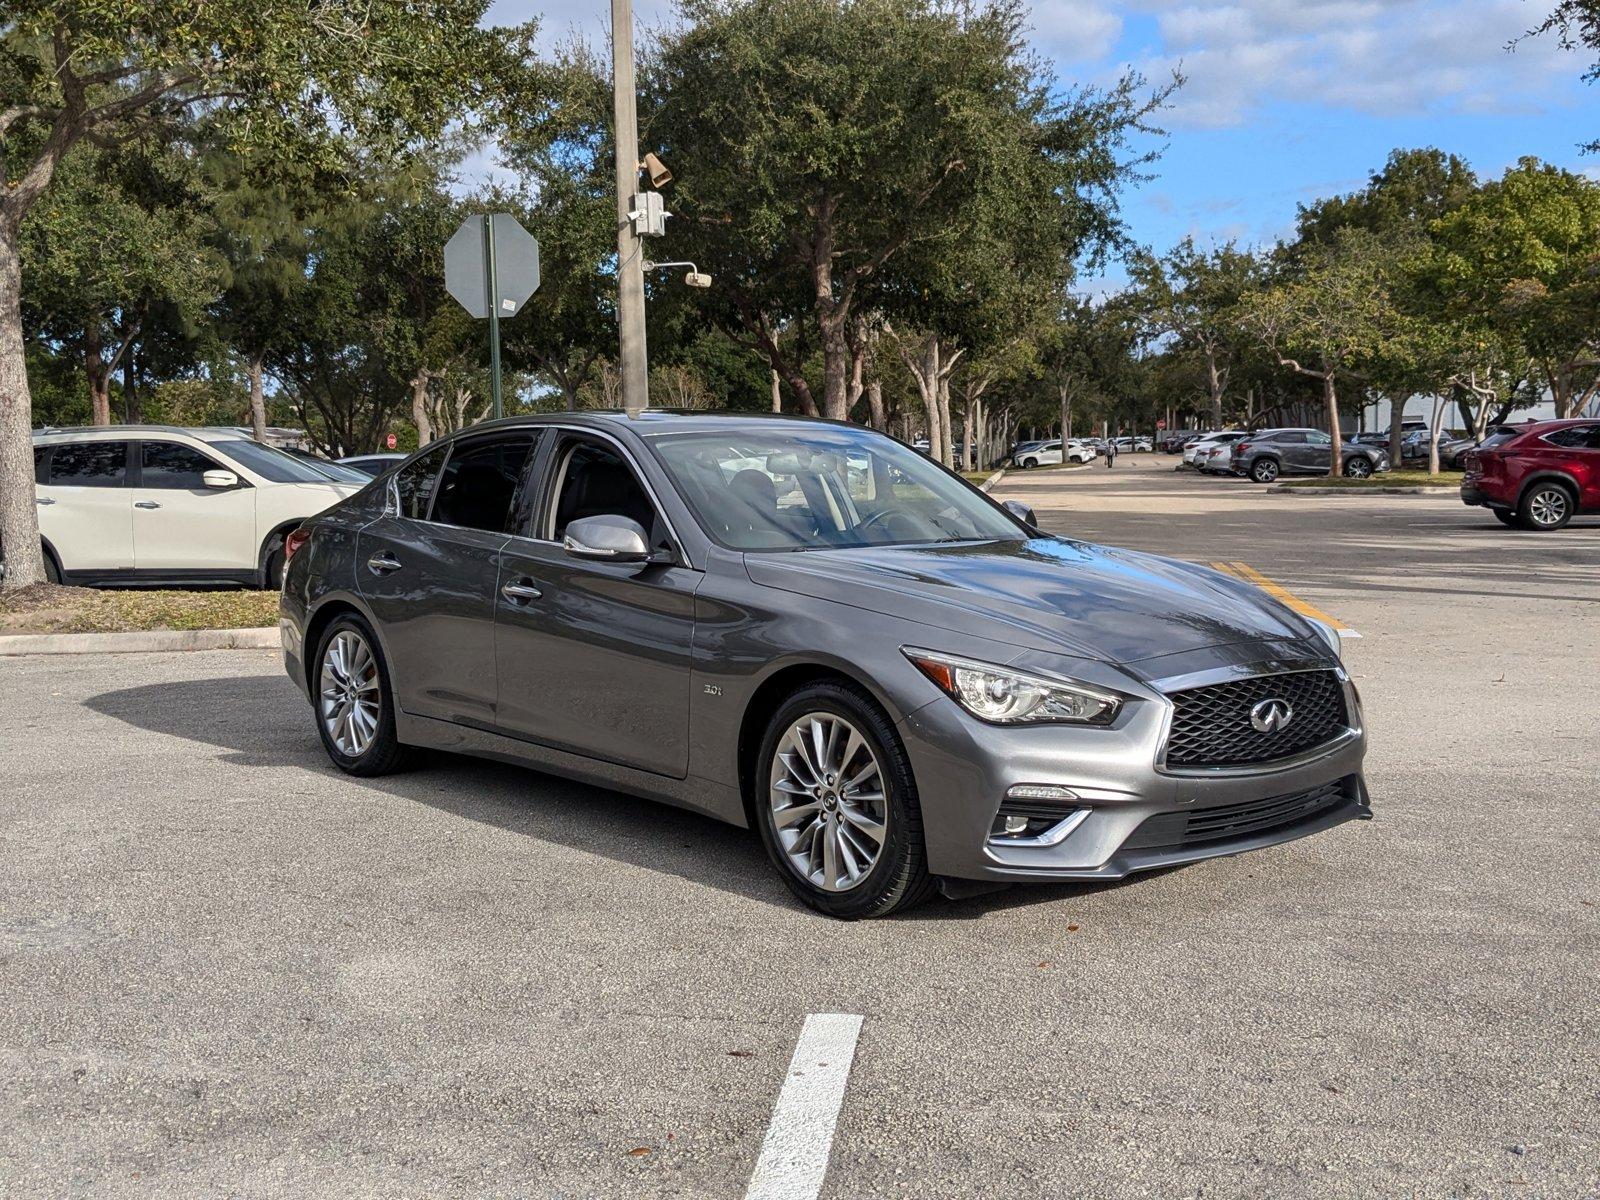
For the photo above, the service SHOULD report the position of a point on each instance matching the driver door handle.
(382, 563)
(43, 500)
(520, 591)
(146, 504)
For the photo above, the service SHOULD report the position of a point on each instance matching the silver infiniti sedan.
(810, 629)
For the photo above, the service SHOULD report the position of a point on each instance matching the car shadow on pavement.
(262, 720)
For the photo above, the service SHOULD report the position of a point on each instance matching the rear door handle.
(43, 500)
(520, 591)
(146, 504)
(382, 563)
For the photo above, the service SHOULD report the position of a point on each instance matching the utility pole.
(630, 251)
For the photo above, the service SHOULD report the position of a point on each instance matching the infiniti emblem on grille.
(1271, 716)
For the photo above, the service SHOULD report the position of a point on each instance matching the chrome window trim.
(1178, 683)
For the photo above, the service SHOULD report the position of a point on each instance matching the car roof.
(654, 422)
(213, 434)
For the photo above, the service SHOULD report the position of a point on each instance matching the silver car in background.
(807, 628)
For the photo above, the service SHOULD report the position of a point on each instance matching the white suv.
(157, 504)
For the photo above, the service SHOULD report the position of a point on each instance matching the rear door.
(86, 507)
(594, 657)
(179, 524)
(430, 572)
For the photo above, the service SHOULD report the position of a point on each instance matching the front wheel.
(837, 805)
(354, 701)
(1545, 506)
(1264, 470)
(1358, 468)
(1029, 463)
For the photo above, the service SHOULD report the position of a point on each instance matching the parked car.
(908, 702)
(1539, 475)
(1053, 453)
(372, 464)
(161, 504)
(1451, 450)
(1268, 453)
(1200, 446)
(1132, 445)
(1218, 457)
(1173, 440)
(328, 468)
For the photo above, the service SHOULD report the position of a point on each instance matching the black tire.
(384, 754)
(52, 573)
(1506, 516)
(1546, 506)
(1358, 467)
(1264, 470)
(272, 574)
(1029, 463)
(899, 878)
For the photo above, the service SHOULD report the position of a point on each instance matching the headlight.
(1008, 697)
(1328, 634)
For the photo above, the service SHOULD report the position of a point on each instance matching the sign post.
(491, 267)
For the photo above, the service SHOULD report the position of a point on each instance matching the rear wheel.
(354, 703)
(837, 805)
(1264, 470)
(1545, 506)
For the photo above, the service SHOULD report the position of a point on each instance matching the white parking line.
(794, 1156)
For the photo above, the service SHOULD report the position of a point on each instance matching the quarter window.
(89, 464)
(173, 465)
(414, 486)
(480, 482)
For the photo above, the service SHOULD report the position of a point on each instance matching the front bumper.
(1139, 817)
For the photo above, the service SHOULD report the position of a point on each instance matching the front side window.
(90, 464)
(1319, 439)
(758, 489)
(480, 483)
(172, 465)
(414, 486)
(270, 463)
(594, 480)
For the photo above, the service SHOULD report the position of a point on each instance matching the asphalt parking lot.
(229, 969)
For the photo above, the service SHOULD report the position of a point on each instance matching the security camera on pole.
(640, 214)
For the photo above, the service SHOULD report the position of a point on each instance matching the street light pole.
(630, 252)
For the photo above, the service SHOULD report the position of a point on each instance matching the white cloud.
(1075, 31)
(1391, 57)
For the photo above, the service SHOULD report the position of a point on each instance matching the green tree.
(273, 77)
(1576, 25)
(817, 143)
(1525, 253)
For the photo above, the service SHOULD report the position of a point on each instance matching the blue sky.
(1287, 100)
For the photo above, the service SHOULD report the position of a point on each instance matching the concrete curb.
(992, 480)
(144, 641)
(1298, 489)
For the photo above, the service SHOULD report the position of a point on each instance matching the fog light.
(1013, 823)
(1036, 814)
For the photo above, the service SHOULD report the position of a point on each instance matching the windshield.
(824, 488)
(275, 466)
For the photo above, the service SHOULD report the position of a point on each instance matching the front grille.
(1178, 830)
(1211, 725)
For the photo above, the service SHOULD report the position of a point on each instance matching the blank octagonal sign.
(516, 254)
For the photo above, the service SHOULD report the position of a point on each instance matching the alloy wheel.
(349, 693)
(828, 806)
(1265, 471)
(1358, 468)
(1548, 506)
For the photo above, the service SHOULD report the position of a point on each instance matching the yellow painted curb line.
(1282, 594)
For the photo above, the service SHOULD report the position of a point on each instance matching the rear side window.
(89, 464)
(1575, 437)
(414, 486)
(173, 465)
(1500, 437)
(480, 483)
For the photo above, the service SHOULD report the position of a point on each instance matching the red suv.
(1537, 475)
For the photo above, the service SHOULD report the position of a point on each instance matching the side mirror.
(606, 538)
(220, 479)
(1021, 512)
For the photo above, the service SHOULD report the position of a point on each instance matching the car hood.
(1048, 593)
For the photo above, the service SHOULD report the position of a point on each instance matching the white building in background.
(1376, 416)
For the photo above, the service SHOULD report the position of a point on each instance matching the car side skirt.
(704, 796)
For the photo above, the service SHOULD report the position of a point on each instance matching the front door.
(1318, 452)
(429, 569)
(594, 657)
(179, 524)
